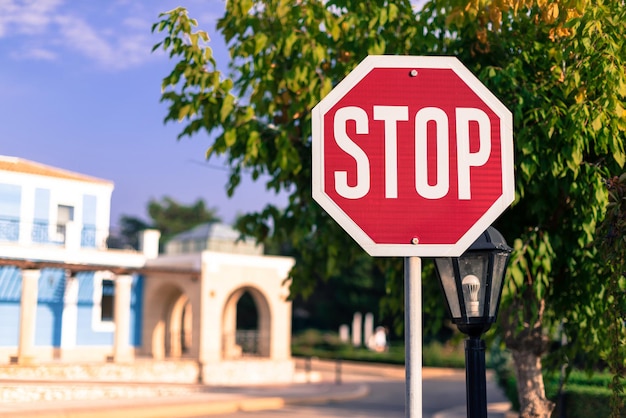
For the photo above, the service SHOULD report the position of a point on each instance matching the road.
(385, 398)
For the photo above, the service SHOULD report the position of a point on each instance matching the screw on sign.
(412, 156)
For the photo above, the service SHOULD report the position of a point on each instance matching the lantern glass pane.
(474, 270)
(446, 275)
(499, 268)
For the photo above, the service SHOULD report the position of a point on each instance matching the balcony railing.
(43, 232)
(40, 233)
(9, 229)
(88, 236)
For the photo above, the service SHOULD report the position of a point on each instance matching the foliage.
(582, 395)
(586, 401)
(285, 59)
(326, 345)
(331, 303)
(334, 302)
(559, 66)
(130, 227)
(612, 242)
(436, 354)
(168, 216)
(171, 217)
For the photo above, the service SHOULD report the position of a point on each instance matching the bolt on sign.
(412, 156)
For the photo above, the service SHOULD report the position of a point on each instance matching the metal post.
(338, 372)
(475, 379)
(307, 368)
(413, 336)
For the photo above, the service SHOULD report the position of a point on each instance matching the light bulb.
(471, 285)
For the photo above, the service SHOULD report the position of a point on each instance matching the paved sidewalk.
(206, 401)
(185, 400)
(356, 371)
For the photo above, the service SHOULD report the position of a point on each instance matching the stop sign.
(412, 156)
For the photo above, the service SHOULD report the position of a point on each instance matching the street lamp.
(472, 285)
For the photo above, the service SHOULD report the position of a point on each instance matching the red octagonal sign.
(412, 156)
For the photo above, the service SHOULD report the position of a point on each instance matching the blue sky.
(80, 89)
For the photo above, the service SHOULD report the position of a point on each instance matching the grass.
(327, 345)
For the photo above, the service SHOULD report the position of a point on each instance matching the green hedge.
(584, 396)
(587, 401)
(326, 345)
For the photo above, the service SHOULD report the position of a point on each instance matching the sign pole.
(413, 336)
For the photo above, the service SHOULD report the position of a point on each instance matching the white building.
(65, 295)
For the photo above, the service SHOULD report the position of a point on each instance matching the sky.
(80, 90)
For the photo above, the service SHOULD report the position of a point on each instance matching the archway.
(177, 317)
(172, 332)
(246, 325)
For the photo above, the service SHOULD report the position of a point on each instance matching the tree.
(169, 217)
(357, 287)
(282, 78)
(559, 66)
(130, 227)
(611, 238)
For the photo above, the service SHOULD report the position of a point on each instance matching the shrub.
(327, 345)
(583, 396)
(588, 401)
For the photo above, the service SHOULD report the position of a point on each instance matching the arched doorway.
(178, 327)
(172, 334)
(247, 325)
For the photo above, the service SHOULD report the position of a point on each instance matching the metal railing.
(246, 343)
(9, 229)
(88, 236)
(44, 232)
(249, 341)
(40, 232)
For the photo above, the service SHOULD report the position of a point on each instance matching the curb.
(361, 391)
(502, 409)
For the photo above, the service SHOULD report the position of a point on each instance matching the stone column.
(122, 351)
(344, 333)
(357, 327)
(368, 329)
(28, 311)
(70, 312)
(149, 243)
(72, 236)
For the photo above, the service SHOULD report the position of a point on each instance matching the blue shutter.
(10, 203)
(88, 233)
(41, 221)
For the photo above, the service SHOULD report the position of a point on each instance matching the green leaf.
(289, 42)
(327, 86)
(227, 107)
(260, 42)
(184, 112)
(597, 123)
(393, 12)
(335, 31)
(230, 137)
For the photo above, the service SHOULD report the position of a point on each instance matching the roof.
(211, 230)
(20, 165)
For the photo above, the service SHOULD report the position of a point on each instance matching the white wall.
(62, 192)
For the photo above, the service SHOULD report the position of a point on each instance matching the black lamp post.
(472, 285)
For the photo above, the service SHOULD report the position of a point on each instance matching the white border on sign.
(412, 250)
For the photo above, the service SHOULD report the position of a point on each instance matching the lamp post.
(472, 285)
